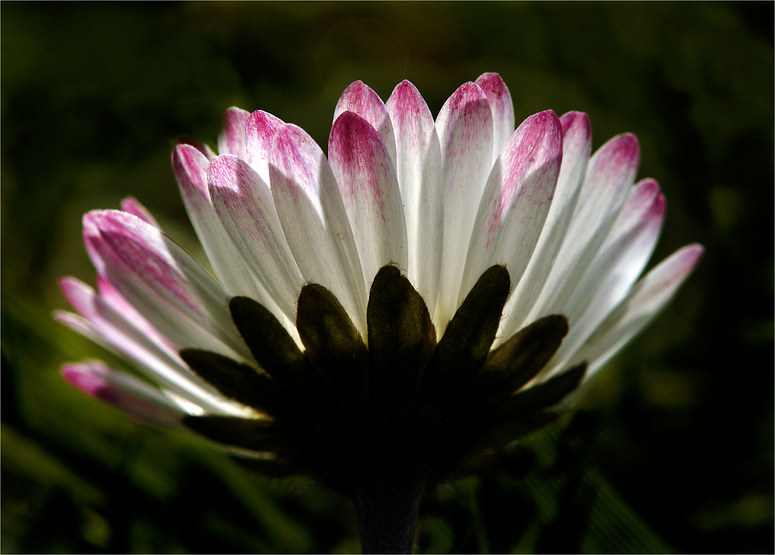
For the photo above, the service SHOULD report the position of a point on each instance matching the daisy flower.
(385, 316)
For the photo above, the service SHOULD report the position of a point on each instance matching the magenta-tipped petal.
(576, 145)
(132, 206)
(125, 392)
(499, 97)
(516, 200)
(618, 264)
(191, 168)
(576, 148)
(314, 219)
(465, 130)
(161, 280)
(367, 180)
(360, 99)
(418, 159)
(609, 176)
(646, 300)
(245, 207)
(412, 230)
(111, 321)
(259, 132)
(232, 138)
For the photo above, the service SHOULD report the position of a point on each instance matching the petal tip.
(87, 378)
(694, 253)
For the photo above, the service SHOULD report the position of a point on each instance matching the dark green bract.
(428, 411)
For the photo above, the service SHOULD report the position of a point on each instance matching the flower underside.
(338, 406)
(283, 355)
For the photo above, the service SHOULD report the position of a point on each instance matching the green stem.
(387, 501)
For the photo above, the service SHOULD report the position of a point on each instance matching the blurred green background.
(673, 450)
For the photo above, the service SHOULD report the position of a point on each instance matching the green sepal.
(489, 442)
(519, 359)
(233, 379)
(269, 342)
(543, 395)
(463, 349)
(402, 339)
(333, 345)
(469, 433)
(274, 468)
(245, 385)
(511, 429)
(245, 433)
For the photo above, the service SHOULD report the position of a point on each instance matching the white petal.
(232, 138)
(125, 392)
(246, 209)
(314, 220)
(113, 323)
(162, 282)
(204, 149)
(617, 265)
(625, 251)
(516, 200)
(418, 166)
(465, 130)
(649, 296)
(259, 132)
(132, 206)
(576, 145)
(502, 109)
(191, 168)
(367, 181)
(359, 98)
(609, 176)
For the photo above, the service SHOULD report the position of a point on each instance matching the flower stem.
(387, 498)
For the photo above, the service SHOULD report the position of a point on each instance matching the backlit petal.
(110, 321)
(516, 200)
(132, 206)
(246, 209)
(369, 187)
(125, 392)
(259, 132)
(359, 98)
(502, 109)
(618, 263)
(576, 145)
(465, 131)
(419, 177)
(232, 138)
(191, 169)
(609, 176)
(649, 296)
(162, 281)
(410, 280)
(314, 219)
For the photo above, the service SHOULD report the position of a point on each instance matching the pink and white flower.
(442, 200)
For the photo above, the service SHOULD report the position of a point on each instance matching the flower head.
(435, 287)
